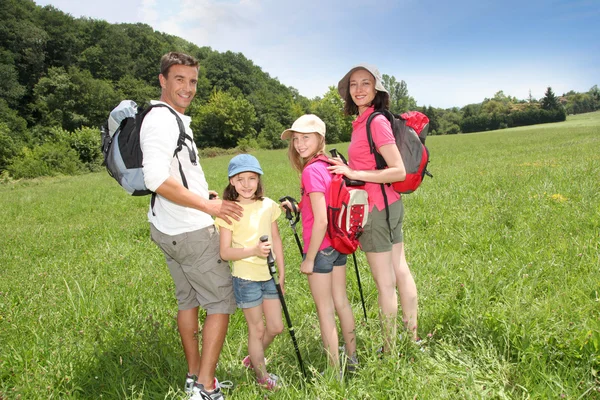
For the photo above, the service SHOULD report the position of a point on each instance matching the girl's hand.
(286, 205)
(262, 249)
(307, 267)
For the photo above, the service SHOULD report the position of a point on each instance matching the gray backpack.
(121, 146)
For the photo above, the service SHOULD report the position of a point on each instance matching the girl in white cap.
(363, 92)
(324, 266)
(253, 287)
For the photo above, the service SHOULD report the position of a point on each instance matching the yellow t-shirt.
(246, 232)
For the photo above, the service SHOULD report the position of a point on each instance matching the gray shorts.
(201, 277)
(376, 234)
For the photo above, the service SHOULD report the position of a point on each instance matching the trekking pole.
(335, 153)
(362, 298)
(273, 272)
(293, 219)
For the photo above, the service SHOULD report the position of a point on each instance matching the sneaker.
(270, 382)
(246, 362)
(352, 363)
(199, 393)
(189, 383)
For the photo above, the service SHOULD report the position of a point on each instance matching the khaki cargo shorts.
(376, 234)
(201, 277)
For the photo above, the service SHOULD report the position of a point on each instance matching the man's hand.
(225, 210)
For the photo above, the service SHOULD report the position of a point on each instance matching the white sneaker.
(199, 393)
(189, 383)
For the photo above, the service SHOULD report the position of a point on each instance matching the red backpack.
(347, 210)
(410, 130)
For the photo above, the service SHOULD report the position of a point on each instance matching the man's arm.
(173, 191)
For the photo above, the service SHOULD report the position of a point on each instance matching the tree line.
(60, 76)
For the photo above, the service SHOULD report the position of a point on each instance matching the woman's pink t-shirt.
(361, 159)
(315, 178)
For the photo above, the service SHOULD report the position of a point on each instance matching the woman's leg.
(385, 280)
(406, 288)
(274, 322)
(256, 335)
(320, 287)
(343, 309)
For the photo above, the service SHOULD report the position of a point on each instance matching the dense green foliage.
(60, 72)
(503, 243)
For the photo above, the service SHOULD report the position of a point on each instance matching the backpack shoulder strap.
(379, 161)
(319, 157)
(183, 136)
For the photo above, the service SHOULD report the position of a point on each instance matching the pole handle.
(270, 259)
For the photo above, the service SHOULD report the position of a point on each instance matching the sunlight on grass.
(503, 243)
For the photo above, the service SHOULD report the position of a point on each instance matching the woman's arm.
(393, 173)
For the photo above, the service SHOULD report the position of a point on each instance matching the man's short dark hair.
(176, 58)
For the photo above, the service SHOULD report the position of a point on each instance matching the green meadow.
(503, 243)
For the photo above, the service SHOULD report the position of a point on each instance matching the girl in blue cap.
(253, 286)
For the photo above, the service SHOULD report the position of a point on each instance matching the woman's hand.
(343, 169)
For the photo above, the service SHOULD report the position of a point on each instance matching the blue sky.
(450, 53)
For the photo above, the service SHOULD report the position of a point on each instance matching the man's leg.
(213, 337)
(187, 322)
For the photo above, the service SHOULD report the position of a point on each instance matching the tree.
(595, 93)
(331, 110)
(400, 101)
(73, 99)
(549, 101)
(10, 88)
(222, 121)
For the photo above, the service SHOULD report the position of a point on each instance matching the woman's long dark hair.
(380, 102)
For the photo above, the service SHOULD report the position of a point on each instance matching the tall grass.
(503, 244)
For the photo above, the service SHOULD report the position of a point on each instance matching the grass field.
(503, 244)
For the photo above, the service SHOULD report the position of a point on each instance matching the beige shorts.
(201, 277)
(376, 234)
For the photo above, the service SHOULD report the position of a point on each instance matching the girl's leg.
(256, 334)
(343, 309)
(406, 288)
(385, 280)
(272, 311)
(320, 287)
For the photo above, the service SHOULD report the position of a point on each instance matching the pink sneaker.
(247, 362)
(270, 382)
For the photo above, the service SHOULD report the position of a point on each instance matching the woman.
(363, 92)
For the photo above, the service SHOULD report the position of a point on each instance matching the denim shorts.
(326, 259)
(250, 294)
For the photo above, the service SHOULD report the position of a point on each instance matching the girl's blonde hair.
(298, 163)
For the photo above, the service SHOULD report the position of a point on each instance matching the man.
(181, 225)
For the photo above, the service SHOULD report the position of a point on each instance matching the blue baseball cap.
(244, 163)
